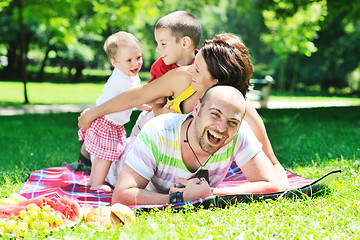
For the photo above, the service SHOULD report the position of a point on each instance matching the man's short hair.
(181, 24)
(205, 96)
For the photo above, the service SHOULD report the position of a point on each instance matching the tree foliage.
(338, 44)
(321, 36)
(292, 34)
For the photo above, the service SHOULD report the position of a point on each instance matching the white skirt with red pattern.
(104, 139)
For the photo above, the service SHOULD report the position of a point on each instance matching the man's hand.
(193, 189)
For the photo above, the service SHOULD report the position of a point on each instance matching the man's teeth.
(215, 135)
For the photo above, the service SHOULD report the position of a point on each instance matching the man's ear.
(186, 42)
(197, 107)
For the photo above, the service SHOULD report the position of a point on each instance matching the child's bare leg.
(99, 170)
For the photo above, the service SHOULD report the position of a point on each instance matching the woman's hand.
(193, 188)
(85, 119)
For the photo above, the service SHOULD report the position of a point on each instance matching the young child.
(177, 35)
(106, 137)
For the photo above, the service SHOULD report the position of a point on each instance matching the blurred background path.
(59, 108)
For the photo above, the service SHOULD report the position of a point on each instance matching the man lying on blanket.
(184, 157)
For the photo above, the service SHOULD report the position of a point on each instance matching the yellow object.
(179, 99)
(124, 213)
(111, 216)
(17, 197)
(7, 201)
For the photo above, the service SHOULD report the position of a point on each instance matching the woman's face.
(201, 78)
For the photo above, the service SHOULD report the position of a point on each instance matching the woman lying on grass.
(223, 60)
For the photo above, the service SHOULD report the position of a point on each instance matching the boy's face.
(170, 50)
(128, 60)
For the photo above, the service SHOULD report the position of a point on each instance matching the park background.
(307, 46)
(52, 53)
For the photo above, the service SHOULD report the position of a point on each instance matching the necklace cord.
(187, 141)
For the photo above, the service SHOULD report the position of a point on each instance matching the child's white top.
(118, 83)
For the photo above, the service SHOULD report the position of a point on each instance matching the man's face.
(218, 122)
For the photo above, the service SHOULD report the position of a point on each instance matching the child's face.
(170, 50)
(128, 60)
(201, 78)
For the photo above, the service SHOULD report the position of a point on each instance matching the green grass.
(353, 100)
(310, 142)
(11, 93)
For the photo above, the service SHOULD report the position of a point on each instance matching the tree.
(338, 44)
(292, 30)
(23, 51)
(54, 25)
(243, 18)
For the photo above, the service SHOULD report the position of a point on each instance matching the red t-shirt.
(159, 68)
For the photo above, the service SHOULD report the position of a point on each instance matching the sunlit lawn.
(12, 93)
(310, 142)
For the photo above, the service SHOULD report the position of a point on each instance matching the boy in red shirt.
(177, 35)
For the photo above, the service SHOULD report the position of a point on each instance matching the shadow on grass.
(11, 104)
(313, 137)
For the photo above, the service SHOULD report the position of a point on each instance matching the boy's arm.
(158, 105)
(257, 126)
(161, 107)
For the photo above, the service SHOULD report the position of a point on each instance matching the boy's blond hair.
(117, 40)
(181, 24)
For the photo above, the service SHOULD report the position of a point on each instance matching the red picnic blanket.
(57, 182)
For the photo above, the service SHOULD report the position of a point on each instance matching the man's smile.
(214, 137)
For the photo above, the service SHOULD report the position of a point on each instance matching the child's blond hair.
(181, 24)
(117, 40)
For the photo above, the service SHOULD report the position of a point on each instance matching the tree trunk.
(23, 51)
(78, 74)
(12, 68)
(281, 85)
(69, 71)
(295, 75)
(41, 72)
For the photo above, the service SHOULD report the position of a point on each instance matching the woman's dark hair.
(228, 61)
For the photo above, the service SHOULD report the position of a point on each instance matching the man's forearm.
(247, 188)
(136, 196)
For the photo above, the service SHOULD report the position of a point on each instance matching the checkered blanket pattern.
(57, 182)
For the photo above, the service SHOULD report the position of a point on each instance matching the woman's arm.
(164, 86)
(257, 126)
